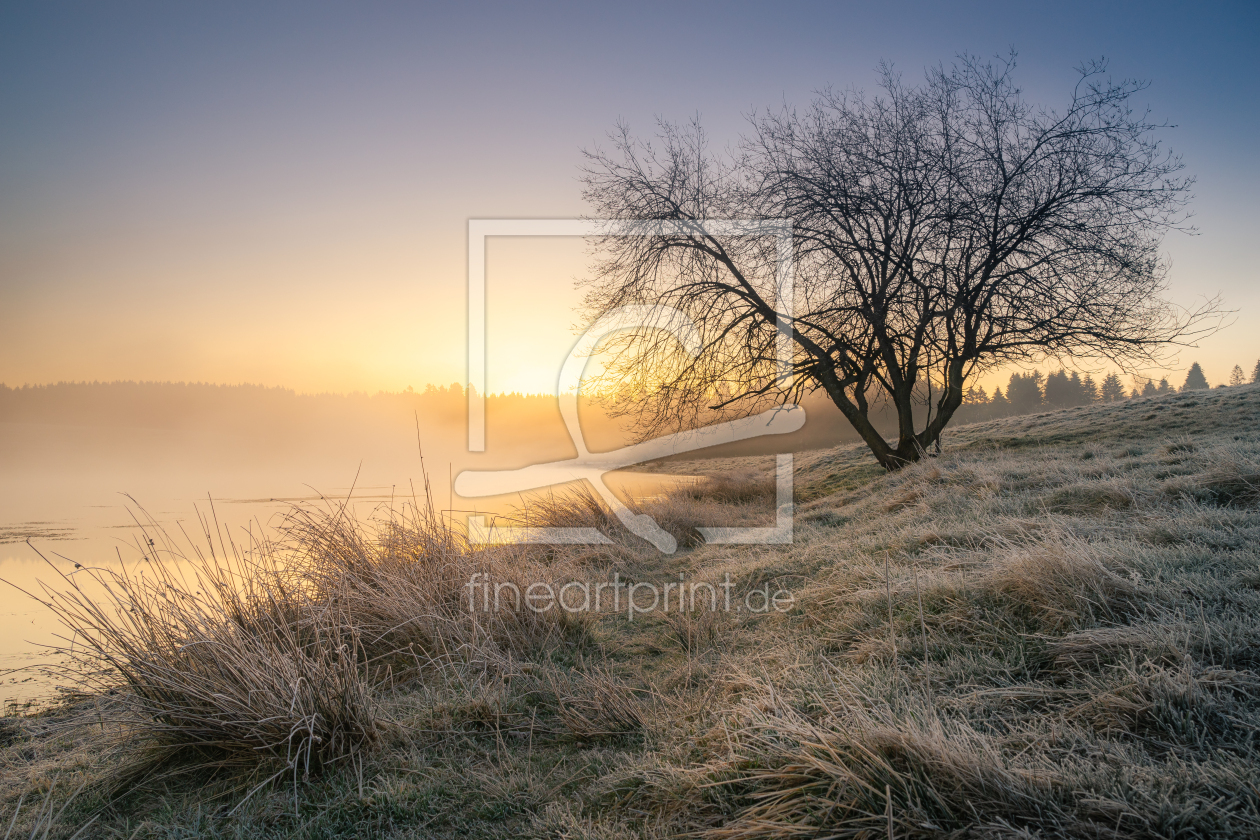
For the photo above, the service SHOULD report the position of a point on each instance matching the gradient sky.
(278, 193)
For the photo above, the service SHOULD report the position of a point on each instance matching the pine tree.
(1111, 389)
(1195, 380)
(1236, 376)
(1255, 374)
(1059, 390)
(1024, 392)
(1089, 391)
(1164, 387)
(1075, 390)
(999, 406)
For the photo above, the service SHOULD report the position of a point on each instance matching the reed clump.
(221, 650)
(418, 593)
(277, 650)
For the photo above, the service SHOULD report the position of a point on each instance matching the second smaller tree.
(1195, 380)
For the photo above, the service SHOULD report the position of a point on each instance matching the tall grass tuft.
(276, 650)
(859, 773)
(1231, 484)
(1062, 580)
(220, 649)
(418, 592)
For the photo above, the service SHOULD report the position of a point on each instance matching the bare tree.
(940, 230)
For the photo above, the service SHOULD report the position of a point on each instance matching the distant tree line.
(512, 417)
(192, 404)
(1030, 392)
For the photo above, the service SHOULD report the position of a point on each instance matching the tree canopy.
(939, 230)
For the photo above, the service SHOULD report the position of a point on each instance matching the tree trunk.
(888, 458)
(910, 446)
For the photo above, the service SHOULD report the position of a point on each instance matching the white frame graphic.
(479, 230)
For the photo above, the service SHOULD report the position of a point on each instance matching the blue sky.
(278, 193)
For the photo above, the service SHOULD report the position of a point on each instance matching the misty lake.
(75, 491)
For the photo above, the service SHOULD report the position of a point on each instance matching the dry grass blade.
(596, 705)
(43, 820)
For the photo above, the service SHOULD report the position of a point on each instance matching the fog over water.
(79, 465)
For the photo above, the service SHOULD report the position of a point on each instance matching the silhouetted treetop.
(1111, 389)
(1195, 380)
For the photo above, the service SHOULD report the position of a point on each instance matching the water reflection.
(75, 495)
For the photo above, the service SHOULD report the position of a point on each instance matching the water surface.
(74, 493)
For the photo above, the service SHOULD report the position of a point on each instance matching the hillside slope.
(1051, 630)
(1227, 412)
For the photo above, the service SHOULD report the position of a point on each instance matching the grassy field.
(1050, 630)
